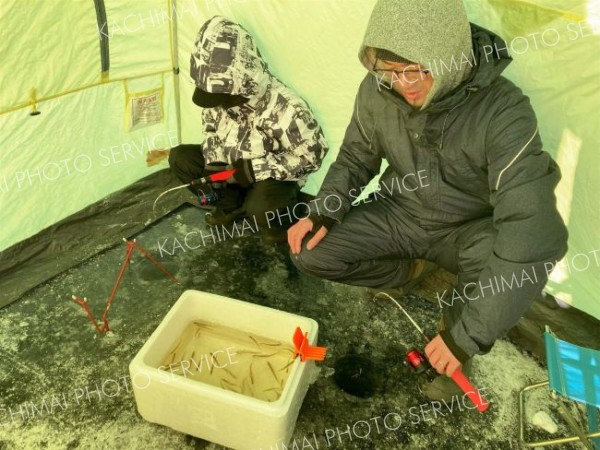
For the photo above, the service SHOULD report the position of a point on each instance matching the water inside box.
(231, 359)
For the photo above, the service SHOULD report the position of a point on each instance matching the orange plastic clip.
(305, 350)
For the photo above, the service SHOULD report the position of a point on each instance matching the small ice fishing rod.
(416, 360)
(213, 178)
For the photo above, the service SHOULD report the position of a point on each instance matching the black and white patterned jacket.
(275, 131)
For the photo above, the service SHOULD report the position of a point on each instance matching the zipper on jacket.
(469, 90)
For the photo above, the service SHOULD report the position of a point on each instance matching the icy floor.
(53, 364)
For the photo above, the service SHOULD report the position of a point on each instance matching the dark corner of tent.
(132, 317)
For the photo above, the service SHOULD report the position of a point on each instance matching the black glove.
(319, 221)
(211, 169)
(244, 173)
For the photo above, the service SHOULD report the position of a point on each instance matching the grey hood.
(436, 35)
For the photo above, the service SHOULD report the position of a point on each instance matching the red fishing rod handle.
(221, 176)
(465, 385)
(215, 177)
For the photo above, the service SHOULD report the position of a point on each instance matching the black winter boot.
(219, 217)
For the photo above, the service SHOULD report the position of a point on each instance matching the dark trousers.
(260, 201)
(375, 244)
(377, 241)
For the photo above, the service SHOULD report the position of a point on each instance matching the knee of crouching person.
(307, 261)
(298, 259)
(174, 156)
(315, 263)
(262, 215)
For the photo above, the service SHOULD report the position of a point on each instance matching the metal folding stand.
(131, 246)
(574, 377)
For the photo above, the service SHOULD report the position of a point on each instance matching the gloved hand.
(244, 173)
(319, 221)
(210, 169)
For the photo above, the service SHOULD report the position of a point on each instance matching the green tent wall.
(79, 149)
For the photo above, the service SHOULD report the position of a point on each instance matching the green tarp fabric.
(91, 141)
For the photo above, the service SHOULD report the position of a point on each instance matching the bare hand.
(440, 357)
(297, 233)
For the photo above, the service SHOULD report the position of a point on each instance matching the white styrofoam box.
(208, 412)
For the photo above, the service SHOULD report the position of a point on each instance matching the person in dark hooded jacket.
(252, 123)
(468, 186)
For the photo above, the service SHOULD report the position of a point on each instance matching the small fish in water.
(255, 342)
(229, 372)
(287, 365)
(272, 370)
(266, 356)
(274, 344)
(211, 366)
(271, 389)
(247, 352)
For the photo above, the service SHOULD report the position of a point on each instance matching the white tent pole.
(175, 62)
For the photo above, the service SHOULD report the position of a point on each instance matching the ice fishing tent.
(87, 87)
